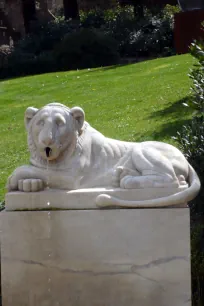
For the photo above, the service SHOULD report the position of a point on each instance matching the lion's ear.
(79, 116)
(29, 114)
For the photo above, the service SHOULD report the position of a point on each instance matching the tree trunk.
(29, 13)
(43, 6)
(71, 9)
(43, 13)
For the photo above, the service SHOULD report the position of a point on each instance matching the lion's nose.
(47, 142)
(48, 139)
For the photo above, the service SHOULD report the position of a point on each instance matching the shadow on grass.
(123, 62)
(82, 71)
(176, 110)
(174, 113)
(175, 120)
(170, 129)
(98, 69)
(167, 131)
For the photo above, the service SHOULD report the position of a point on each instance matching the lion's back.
(112, 148)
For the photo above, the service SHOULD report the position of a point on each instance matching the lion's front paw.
(30, 185)
(12, 183)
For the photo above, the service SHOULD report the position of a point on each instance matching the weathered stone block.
(96, 257)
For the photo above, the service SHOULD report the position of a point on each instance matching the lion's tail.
(182, 197)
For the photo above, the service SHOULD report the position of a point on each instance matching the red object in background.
(187, 28)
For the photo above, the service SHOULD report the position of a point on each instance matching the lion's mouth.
(48, 151)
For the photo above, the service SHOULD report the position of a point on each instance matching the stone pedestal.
(96, 257)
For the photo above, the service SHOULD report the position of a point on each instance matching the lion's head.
(52, 130)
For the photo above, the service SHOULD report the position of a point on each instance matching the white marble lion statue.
(78, 157)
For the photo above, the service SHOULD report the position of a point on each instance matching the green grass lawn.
(135, 102)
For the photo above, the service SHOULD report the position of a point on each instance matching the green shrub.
(197, 75)
(191, 141)
(86, 48)
(148, 36)
(19, 64)
(151, 35)
(170, 10)
(120, 24)
(154, 38)
(191, 137)
(33, 54)
(92, 18)
(44, 36)
(98, 18)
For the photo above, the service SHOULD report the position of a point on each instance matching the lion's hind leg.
(120, 172)
(147, 181)
(154, 169)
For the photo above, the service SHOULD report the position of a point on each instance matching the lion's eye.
(60, 123)
(41, 123)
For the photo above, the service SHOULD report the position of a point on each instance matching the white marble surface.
(96, 258)
(84, 198)
(66, 153)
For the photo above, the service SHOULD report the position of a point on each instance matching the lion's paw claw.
(30, 185)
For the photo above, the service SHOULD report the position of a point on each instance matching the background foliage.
(113, 34)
